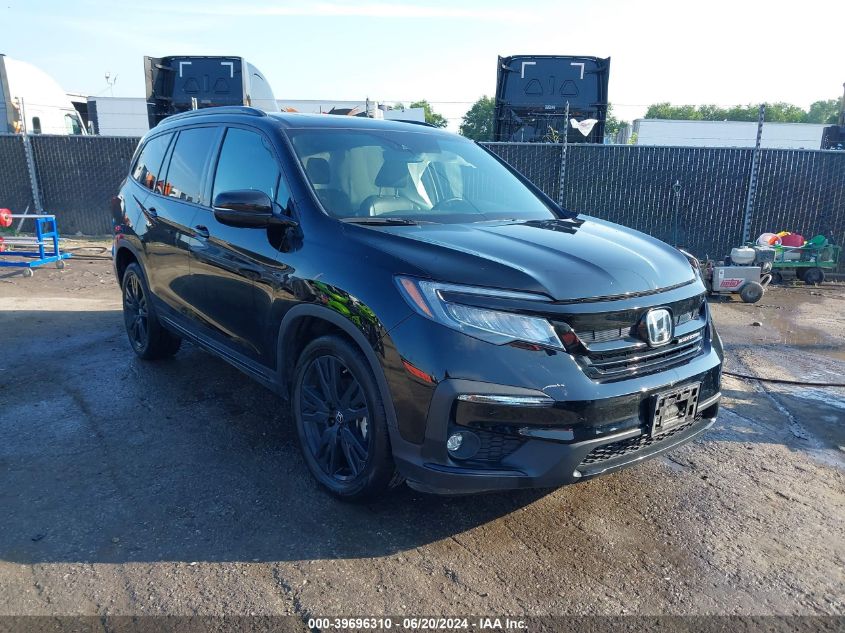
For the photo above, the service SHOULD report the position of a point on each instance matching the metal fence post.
(752, 178)
(676, 190)
(561, 196)
(33, 178)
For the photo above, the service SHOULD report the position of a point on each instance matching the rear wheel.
(340, 420)
(813, 276)
(149, 339)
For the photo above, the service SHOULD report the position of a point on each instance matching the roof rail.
(217, 110)
(425, 123)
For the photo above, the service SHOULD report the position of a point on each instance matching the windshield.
(417, 176)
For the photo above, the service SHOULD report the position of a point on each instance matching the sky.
(721, 52)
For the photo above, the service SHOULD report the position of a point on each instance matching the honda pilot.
(429, 314)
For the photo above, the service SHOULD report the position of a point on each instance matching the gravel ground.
(132, 488)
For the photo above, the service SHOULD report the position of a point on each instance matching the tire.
(777, 277)
(813, 276)
(800, 272)
(751, 292)
(148, 338)
(341, 421)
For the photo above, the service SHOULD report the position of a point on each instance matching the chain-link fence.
(75, 177)
(15, 185)
(690, 196)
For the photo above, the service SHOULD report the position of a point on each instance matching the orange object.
(768, 239)
(2, 245)
(5, 218)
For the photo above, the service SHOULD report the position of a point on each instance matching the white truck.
(32, 102)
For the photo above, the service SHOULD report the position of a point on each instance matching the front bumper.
(550, 455)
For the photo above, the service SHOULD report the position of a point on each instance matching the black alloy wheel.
(135, 312)
(336, 418)
(149, 339)
(341, 420)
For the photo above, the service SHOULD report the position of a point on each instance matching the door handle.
(201, 231)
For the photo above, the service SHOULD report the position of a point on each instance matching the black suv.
(431, 315)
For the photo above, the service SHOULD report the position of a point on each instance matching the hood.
(555, 258)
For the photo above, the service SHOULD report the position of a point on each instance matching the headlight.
(494, 326)
(693, 262)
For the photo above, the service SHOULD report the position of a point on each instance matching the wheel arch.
(125, 254)
(303, 323)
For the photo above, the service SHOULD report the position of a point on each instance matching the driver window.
(247, 162)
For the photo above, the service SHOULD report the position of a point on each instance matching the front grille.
(627, 361)
(618, 333)
(602, 336)
(615, 450)
(612, 348)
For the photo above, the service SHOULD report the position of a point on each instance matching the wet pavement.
(178, 488)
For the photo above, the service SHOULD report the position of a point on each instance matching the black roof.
(292, 120)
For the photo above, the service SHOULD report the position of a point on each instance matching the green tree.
(430, 115)
(477, 123)
(666, 110)
(778, 112)
(781, 112)
(612, 125)
(824, 112)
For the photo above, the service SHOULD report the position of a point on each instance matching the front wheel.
(751, 292)
(340, 420)
(147, 336)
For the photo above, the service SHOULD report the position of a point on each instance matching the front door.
(229, 263)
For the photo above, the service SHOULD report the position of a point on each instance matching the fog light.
(454, 442)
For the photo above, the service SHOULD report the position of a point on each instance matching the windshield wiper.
(382, 221)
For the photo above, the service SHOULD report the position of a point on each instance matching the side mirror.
(247, 208)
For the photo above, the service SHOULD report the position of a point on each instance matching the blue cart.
(30, 252)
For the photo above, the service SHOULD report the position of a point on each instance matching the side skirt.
(262, 374)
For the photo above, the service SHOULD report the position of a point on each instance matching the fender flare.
(344, 324)
(126, 244)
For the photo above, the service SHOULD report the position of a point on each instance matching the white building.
(118, 116)
(373, 109)
(727, 134)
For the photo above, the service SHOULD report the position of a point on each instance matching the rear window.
(149, 161)
(187, 164)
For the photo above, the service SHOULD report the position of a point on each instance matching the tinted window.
(246, 162)
(187, 163)
(72, 124)
(147, 167)
(410, 174)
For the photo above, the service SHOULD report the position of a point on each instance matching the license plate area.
(674, 408)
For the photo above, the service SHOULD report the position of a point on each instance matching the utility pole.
(842, 108)
(752, 177)
(561, 196)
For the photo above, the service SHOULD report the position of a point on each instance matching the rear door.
(147, 175)
(232, 262)
(170, 211)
